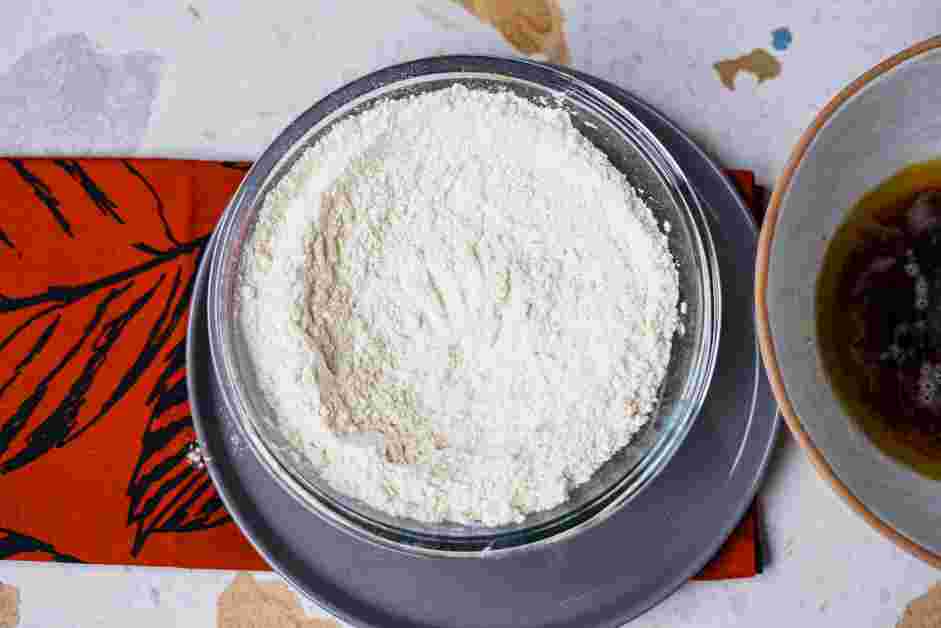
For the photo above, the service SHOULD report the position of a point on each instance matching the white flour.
(458, 307)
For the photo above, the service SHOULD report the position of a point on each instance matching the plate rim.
(762, 469)
(765, 335)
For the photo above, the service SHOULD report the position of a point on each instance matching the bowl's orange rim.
(761, 304)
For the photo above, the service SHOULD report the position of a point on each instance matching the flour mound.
(457, 307)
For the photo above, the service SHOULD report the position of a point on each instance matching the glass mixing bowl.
(650, 169)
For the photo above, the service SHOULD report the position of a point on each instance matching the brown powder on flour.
(352, 396)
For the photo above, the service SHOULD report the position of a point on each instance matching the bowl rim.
(679, 187)
(762, 264)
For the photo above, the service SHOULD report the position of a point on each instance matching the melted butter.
(907, 428)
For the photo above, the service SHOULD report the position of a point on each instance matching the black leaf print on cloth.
(31, 355)
(24, 547)
(43, 193)
(101, 359)
(52, 431)
(121, 298)
(64, 295)
(167, 493)
(104, 204)
(161, 210)
(5, 239)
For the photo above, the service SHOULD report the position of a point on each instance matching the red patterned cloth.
(97, 263)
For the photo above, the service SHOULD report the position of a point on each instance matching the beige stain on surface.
(533, 27)
(760, 63)
(247, 603)
(924, 611)
(9, 606)
(439, 19)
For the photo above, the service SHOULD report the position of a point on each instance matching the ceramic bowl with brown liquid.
(848, 296)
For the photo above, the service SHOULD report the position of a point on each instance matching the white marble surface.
(211, 79)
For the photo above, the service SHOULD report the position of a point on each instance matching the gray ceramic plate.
(604, 577)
